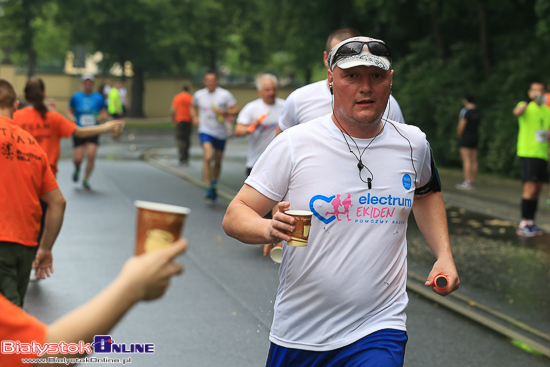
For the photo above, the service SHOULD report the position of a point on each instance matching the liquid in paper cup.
(276, 254)
(302, 224)
(158, 225)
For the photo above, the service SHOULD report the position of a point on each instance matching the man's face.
(360, 93)
(88, 86)
(268, 93)
(536, 90)
(210, 81)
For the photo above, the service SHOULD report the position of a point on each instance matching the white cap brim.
(364, 59)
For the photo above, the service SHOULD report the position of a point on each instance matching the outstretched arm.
(143, 277)
(429, 213)
(112, 126)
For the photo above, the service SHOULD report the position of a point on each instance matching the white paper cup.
(276, 254)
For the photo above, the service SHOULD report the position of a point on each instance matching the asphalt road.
(219, 311)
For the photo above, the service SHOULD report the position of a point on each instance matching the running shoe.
(465, 186)
(86, 185)
(538, 231)
(208, 193)
(528, 231)
(76, 175)
(214, 188)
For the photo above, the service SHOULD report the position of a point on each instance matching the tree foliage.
(441, 49)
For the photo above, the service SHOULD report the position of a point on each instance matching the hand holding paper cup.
(158, 225)
(302, 224)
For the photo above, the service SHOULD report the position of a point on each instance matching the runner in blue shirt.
(86, 108)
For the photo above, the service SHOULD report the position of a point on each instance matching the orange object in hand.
(441, 281)
(261, 119)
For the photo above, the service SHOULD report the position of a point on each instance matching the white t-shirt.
(314, 100)
(264, 133)
(208, 120)
(350, 280)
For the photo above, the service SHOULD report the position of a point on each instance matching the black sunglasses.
(355, 47)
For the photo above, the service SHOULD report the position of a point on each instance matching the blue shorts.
(384, 348)
(218, 144)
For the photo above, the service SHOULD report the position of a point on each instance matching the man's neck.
(6, 112)
(366, 131)
(212, 90)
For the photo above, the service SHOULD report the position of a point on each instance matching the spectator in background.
(534, 123)
(467, 133)
(182, 104)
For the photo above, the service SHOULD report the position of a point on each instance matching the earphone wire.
(360, 163)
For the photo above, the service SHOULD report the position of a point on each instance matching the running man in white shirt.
(259, 118)
(314, 100)
(342, 298)
(212, 104)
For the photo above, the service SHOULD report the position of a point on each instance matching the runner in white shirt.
(314, 100)
(259, 118)
(342, 298)
(212, 104)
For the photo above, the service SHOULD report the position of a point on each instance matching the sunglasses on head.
(355, 47)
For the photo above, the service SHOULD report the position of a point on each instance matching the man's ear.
(325, 59)
(16, 105)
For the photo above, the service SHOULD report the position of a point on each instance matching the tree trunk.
(308, 75)
(484, 39)
(436, 30)
(138, 89)
(27, 39)
(212, 59)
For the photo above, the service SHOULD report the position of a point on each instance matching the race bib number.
(541, 136)
(87, 120)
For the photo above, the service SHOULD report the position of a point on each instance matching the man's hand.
(447, 268)
(43, 263)
(280, 223)
(149, 274)
(115, 126)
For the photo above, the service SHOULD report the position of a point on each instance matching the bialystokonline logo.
(101, 344)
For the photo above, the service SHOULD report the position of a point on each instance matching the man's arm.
(429, 213)
(112, 126)
(194, 112)
(243, 218)
(43, 262)
(143, 277)
(233, 110)
(460, 127)
(520, 109)
(70, 115)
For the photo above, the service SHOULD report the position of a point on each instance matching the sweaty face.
(536, 90)
(88, 86)
(210, 82)
(360, 94)
(268, 93)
